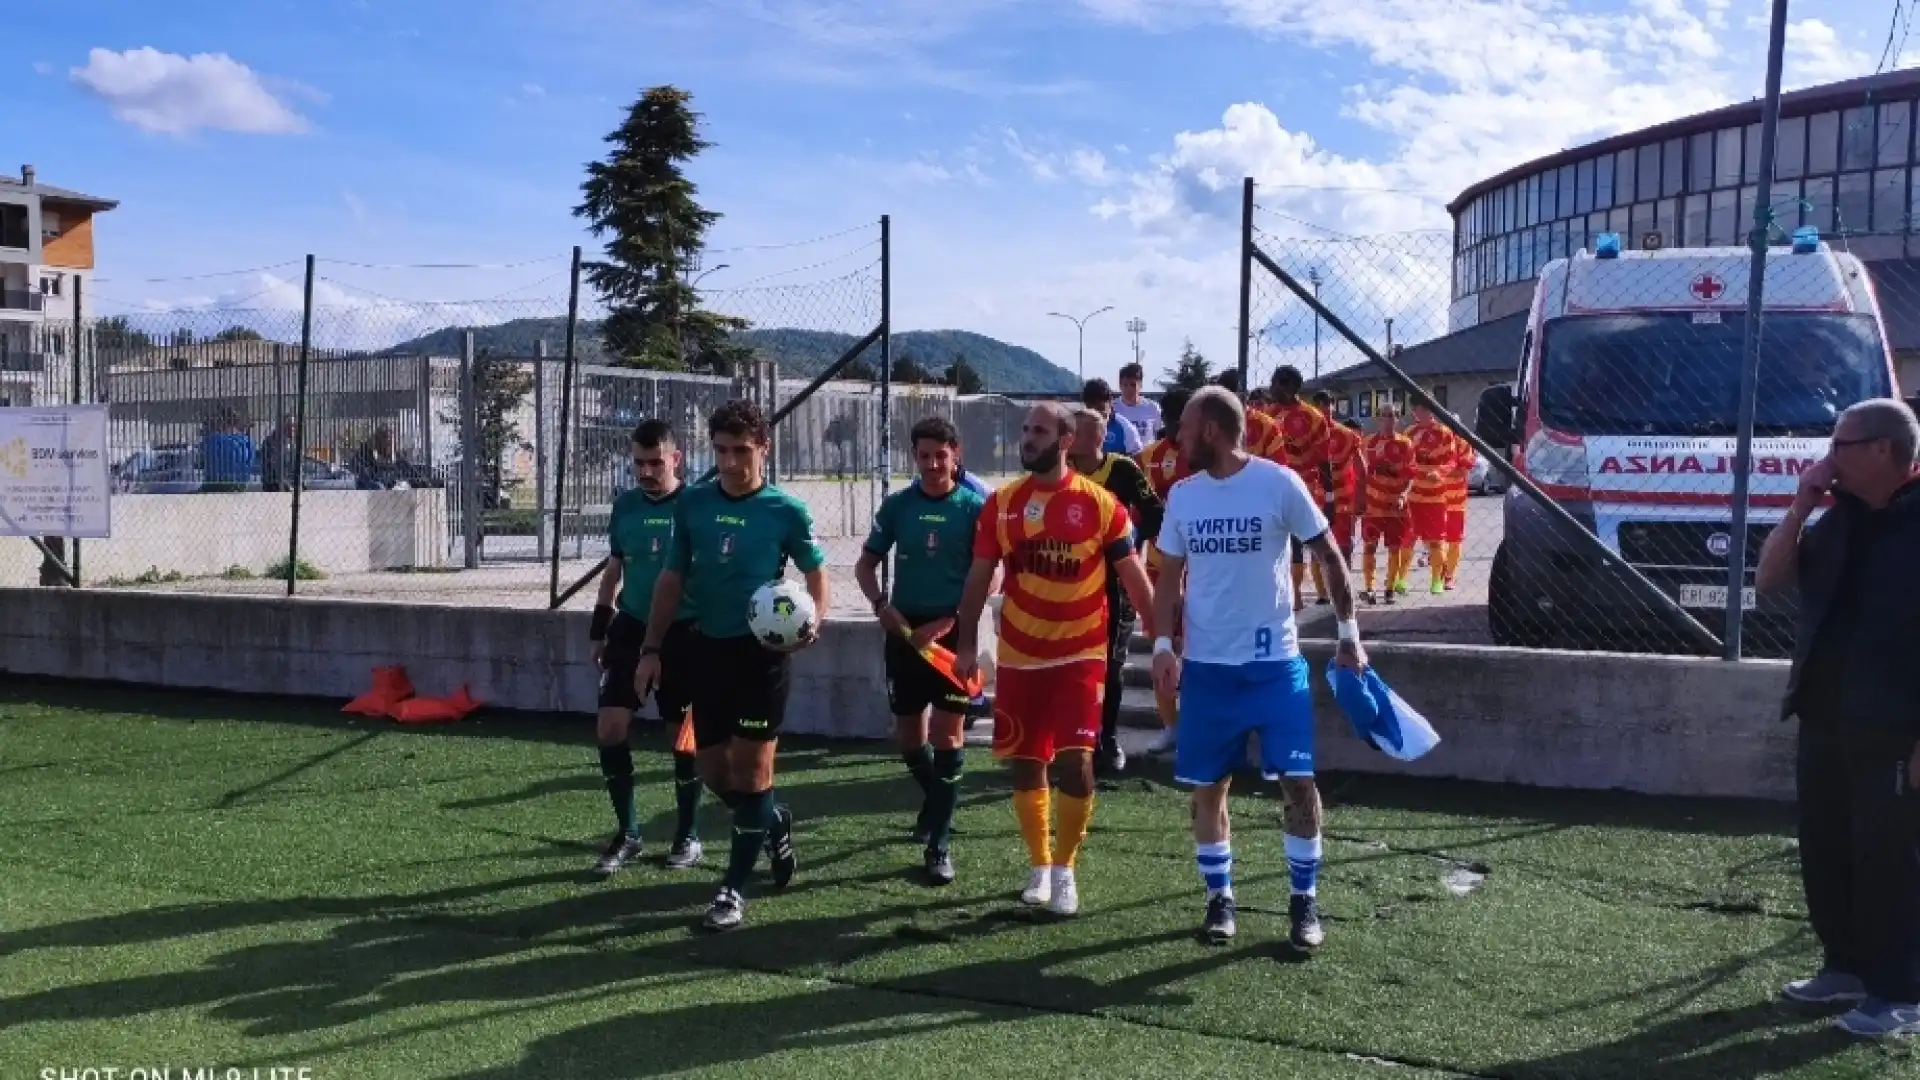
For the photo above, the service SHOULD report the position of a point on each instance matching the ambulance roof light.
(1606, 246)
(1806, 240)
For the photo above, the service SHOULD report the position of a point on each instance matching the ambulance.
(1625, 411)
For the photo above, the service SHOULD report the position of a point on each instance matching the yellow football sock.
(1453, 560)
(1074, 815)
(1367, 565)
(1030, 807)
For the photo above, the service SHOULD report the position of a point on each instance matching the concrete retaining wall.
(341, 532)
(1662, 725)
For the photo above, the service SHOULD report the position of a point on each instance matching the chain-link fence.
(360, 444)
(1616, 396)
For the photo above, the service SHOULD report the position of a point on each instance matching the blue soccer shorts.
(1221, 704)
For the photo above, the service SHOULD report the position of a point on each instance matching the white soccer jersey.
(1233, 534)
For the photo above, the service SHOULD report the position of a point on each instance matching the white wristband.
(1349, 630)
(1162, 645)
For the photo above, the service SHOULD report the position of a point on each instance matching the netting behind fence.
(1618, 395)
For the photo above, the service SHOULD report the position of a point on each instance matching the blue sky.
(1035, 155)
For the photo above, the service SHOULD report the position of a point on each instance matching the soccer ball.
(780, 614)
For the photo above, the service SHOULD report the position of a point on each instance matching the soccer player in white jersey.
(1228, 525)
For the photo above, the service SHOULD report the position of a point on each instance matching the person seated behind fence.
(226, 453)
(377, 466)
(277, 453)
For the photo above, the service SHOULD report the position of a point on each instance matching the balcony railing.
(20, 300)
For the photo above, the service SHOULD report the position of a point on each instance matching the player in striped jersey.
(1303, 443)
(1345, 471)
(1433, 454)
(1461, 467)
(1060, 536)
(1389, 477)
(1262, 437)
(1166, 466)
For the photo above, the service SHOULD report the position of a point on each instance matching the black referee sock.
(616, 764)
(686, 794)
(752, 817)
(944, 798)
(920, 763)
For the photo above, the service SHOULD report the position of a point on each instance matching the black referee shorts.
(739, 690)
(622, 657)
(913, 685)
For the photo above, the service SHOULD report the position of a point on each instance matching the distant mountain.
(1004, 368)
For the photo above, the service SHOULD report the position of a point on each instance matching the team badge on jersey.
(1297, 425)
(655, 546)
(1070, 517)
(933, 541)
(1036, 512)
(726, 544)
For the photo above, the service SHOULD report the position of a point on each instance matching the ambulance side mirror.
(1494, 421)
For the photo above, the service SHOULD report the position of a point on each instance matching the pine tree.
(963, 378)
(641, 200)
(1191, 372)
(908, 370)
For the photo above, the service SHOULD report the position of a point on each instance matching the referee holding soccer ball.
(730, 538)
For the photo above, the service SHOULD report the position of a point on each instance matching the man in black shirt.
(1127, 483)
(1855, 686)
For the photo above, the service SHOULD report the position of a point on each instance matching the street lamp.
(1080, 324)
(1136, 327)
(1313, 278)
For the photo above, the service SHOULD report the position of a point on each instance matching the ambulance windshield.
(1678, 373)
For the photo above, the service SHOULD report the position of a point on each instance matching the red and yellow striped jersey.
(1263, 439)
(1303, 431)
(1432, 460)
(1164, 466)
(1389, 463)
(1343, 454)
(1461, 468)
(1056, 542)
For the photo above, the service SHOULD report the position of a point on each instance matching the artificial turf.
(192, 881)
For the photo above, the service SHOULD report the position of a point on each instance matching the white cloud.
(532, 90)
(344, 317)
(176, 95)
(1815, 54)
(41, 67)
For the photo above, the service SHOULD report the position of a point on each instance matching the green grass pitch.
(193, 881)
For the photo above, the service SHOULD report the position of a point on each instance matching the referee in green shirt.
(929, 528)
(640, 536)
(729, 538)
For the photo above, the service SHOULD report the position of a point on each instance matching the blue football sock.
(1216, 867)
(1303, 863)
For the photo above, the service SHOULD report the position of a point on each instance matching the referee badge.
(933, 541)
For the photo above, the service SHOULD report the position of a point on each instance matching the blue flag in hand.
(1379, 716)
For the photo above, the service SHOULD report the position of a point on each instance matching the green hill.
(1005, 369)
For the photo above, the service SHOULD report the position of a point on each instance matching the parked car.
(1484, 479)
(178, 470)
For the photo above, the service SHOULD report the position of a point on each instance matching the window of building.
(1557, 240)
(1726, 157)
(1596, 224)
(50, 285)
(1852, 203)
(1816, 203)
(1623, 176)
(1722, 208)
(1603, 182)
(1890, 201)
(1649, 185)
(1583, 187)
(1750, 174)
(1565, 209)
(1363, 403)
(1693, 229)
(1530, 201)
(1896, 133)
(1673, 167)
(1823, 144)
(1700, 177)
(1440, 395)
(13, 226)
(1547, 209)
(1791, 149)
(1743, 224)
(1542, 248)
(1641, 226)
(1857, 136)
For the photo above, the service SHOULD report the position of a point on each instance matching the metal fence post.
(1750, 343)
(1246, 279)
(469, 456)
(886, 373)
(300, 429)
(540, 447)
(772, 373)
(566, 407)
(79, 394)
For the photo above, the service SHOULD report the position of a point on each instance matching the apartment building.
(46, 256)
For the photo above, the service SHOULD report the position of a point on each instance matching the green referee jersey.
(932, 541)
(727, 546)
(641, 536)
